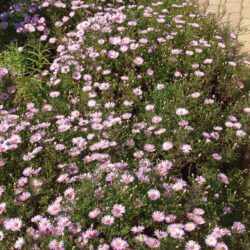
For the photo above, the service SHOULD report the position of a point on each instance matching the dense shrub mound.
(123, 126)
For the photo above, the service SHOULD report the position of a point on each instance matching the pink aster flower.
(223, 178)
(198, 220)
(177, 74)
(94, 213)
(69, 194)
(170, 218)
(192, 245)
(154, 194)
(247, 110)
(166, 146)
(150, 148)
(56, 245)
(241, 133)
(24, 196)
(141, 238)
(238, 227)
(186, 149)
(2, 207)
(138, 61)
(195, 95)
(107, 220)
(233, 64)
(118, 210)
(91, 233)
(44, 225)
(119, 244)
(54, 209)
(160, 234)
(150, 107)
(198, 211)
(179, 185)
(216, 156)
(200, 180)
(1, 236)
(54, 94)
(181, 111)
(199, 73)
(211, 241)
(176, 232)
(137, 229)
(113, 54)
(152, 242)
(221, 246)
(13, 224)
(3, 72)
(127, 178)
(91, 103)
(189, 227)
(160, 86)
(103, 247)
(19, 243)
(158, 216)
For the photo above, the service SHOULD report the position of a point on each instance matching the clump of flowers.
(132, 140)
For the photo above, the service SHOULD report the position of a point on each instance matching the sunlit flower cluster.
(128, 145)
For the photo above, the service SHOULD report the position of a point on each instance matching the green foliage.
(29, 61)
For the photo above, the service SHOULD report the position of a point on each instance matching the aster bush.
(124, 125)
